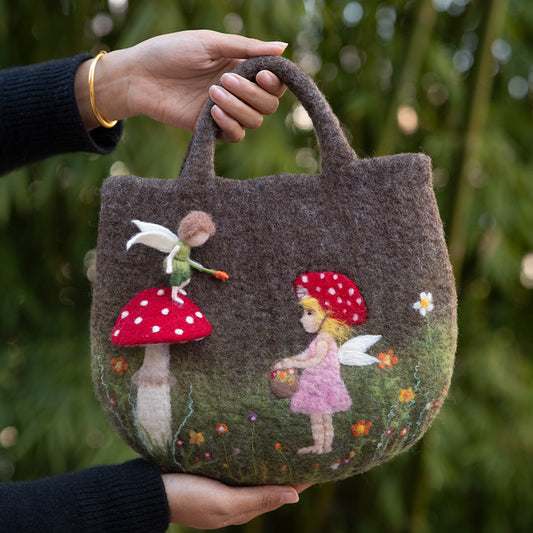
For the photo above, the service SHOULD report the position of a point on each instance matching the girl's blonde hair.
(340, 331)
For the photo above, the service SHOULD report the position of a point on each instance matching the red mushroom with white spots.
(336, 293)
(152, 319)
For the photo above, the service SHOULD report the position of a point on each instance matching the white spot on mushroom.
(322, 275)
(165, 311)
(339, 285)
(138, 320)
(305, 279)
(348, 302)
(117, 332)
(189, 320)
(144, 303)
(155, 329)
(198, 314)
(160, 292)
(318, 289)
(124, 314)
(358, 301)
(351, 292)
(339, 300)
(335, 276)
(178, 331)
(355, 317)
(331, 290)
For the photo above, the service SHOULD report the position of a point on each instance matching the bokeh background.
(451, 78)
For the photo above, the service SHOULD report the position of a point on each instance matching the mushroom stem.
(153, 380)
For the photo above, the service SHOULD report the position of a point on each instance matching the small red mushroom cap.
(152, 317)
(335, 293)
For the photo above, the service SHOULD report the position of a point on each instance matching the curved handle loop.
(336, 151)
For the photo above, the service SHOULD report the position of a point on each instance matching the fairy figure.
(194, 230)
(332, 305)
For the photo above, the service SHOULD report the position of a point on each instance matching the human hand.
(168, 79)
(204, 503)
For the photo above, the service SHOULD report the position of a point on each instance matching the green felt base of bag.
(234, 429)
(208, 407)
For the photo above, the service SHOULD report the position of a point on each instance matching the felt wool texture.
(373, 221)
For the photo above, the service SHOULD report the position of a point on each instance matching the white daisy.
(425, 304)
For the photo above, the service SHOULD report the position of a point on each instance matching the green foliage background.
(464, 70)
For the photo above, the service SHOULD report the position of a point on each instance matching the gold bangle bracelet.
(105, 123)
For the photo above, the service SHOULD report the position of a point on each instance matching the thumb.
(240, 47)
(250, 502)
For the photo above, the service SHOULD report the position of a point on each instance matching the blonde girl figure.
(332, 305)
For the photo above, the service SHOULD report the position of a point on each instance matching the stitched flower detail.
(406, 395)
(403, 432)
(361, 428)
(222, 428)
(252, 417)
(387, 359)
(119, 366)
(425, 304)
(196, 438)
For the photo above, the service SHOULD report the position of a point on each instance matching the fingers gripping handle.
(336, 152)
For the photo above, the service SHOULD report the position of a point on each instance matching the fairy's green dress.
(181, 267)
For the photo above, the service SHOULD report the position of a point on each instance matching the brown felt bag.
(343, 276)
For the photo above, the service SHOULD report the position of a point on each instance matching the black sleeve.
(105, 499)
(39, 116)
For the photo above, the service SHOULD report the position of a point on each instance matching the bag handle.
(335, 149)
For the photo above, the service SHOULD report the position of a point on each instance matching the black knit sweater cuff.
(124, 498)
(40, 117)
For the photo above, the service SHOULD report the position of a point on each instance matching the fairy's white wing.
(153, 235)
(353, 352)
(150, 226)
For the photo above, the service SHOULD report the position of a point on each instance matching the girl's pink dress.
(321, 389)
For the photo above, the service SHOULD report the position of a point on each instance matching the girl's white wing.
(153, 235)
(353, 352)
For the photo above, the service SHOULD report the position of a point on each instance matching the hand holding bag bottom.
(341, 278)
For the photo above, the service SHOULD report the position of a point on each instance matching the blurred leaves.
(472, 471)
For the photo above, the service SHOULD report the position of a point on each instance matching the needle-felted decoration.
(329, 347)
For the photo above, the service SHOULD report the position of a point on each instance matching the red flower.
(361, 428)
(119, 366)
(387, 359)
(222, 428)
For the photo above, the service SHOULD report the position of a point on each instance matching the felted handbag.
(207, 285)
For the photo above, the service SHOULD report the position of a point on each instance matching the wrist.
(110, 89)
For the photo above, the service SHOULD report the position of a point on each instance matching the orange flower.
(283, 468)
(222, 428)
(361, 428)
(196, 438)
(403, 432)
(119, 366)
(406, 395)
(387, 359)
(277, 446)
